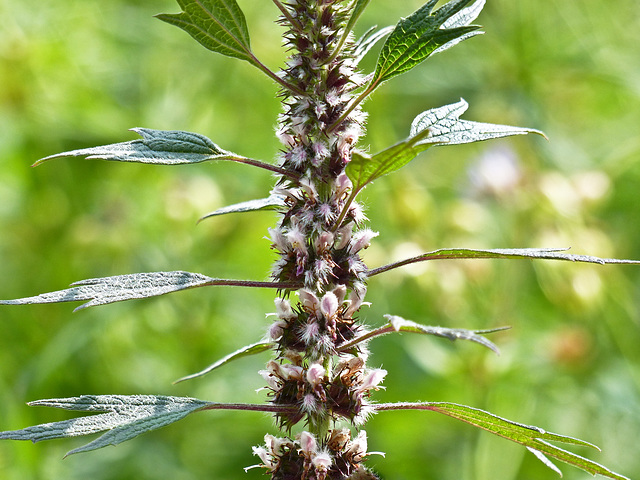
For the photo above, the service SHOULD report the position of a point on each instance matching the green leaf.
(446, 128)
(502, 253)
(162, 147)
(364, 169)
(416, 37)
(533, 438)
(246, 351)
(399, 324)
(368, 41)
(101, 291)
(218, 25)
(273, 202)
(126, 417)
(462, 18)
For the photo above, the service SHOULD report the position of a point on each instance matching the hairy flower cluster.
(304, 458)
(319, 241)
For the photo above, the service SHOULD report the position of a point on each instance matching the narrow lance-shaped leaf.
(126, 417)
(502, 253)
(163, 147)
(399, 324)
(101, 291)
(446, 128)
(533, 438)
(246, 351)
(273, 202)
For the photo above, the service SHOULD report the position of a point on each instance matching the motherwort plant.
(319, 384)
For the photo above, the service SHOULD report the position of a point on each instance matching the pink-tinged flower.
(357, 213)
(315, 374)
(310, 333)
(322, 270)
(309, 404)
(283, 309)
(278, 240)
(291, 372)
(309, 300)
(333, 98)
(273, 382)
(309, 188)
(320, 149)
(357, 448)
(297, 241)
(361, 239)
(276, 330)
(297, 156)
(308, 443)
(340, 292)
(343, 185)
(372, 379)
(285, 137)
(329, 305)
(323, 242)
(322, 461)
(265, 456)
(344, 235)
(325, 211)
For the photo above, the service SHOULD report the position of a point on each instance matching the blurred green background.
(77, 74)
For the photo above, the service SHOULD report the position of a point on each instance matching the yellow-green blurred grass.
(77, 74)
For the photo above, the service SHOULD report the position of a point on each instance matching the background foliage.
(76, 74)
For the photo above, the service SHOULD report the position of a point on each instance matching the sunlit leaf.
(126, 417)
(533, 438)
(462, 18)
(368, 41)
(273, 202)
(101, 291)
(399, 324)
(246, 351)
(506, 253)
(163, 147)
(218, 25)
(416, 37)
(446, 128)
(364, 169)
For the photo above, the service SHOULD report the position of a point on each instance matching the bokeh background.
(76, 74)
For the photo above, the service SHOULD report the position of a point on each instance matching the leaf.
(501, 253)
(273, 202)
(446, 128)
(101, 291)
(246, 351)
(399, 324)
(416, 37)
(462, 18)
(368, 41)
(533, 438)
(364, 169)
(126, 417)
(163, 147)
(218, 25)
